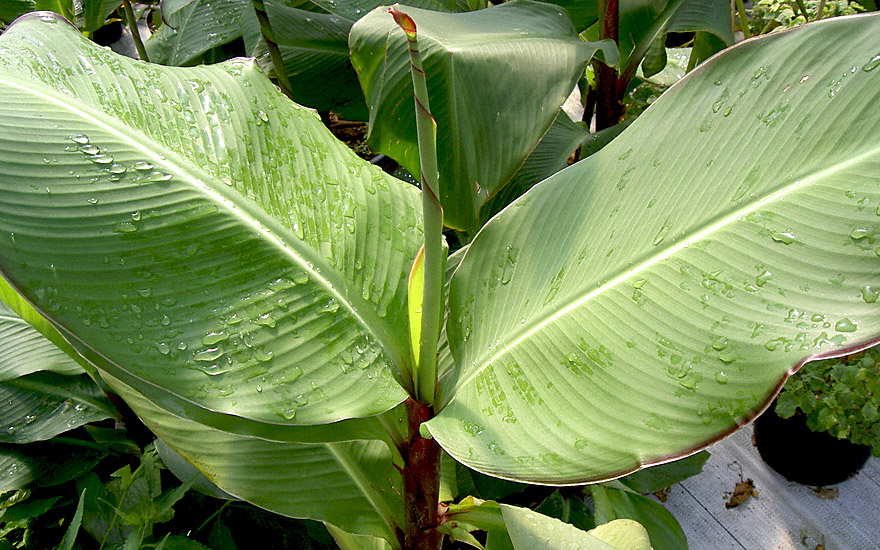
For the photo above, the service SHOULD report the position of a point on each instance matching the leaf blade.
(204, 233)
(664, 289)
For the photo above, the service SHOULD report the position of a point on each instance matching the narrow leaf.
(73, 529)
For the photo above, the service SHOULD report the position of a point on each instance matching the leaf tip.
(404, 21)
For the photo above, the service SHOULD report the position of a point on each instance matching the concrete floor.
(784, 516)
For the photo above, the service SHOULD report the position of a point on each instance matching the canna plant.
(279, 313)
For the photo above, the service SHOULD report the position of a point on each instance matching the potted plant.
(825, 422)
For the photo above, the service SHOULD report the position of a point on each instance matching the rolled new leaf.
(429, 265)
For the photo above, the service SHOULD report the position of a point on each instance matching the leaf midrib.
(359, 477)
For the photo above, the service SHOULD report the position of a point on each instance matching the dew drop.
(159, 176)
(267, 320)
(214, 338)
(786, 237)
(125, 227)
(846, 325)
(81, 139)
(661, 234)
(163, 348)
(101, 159)
(872, 64)
(263, 356)
(773, 345)
(142, 166)
(207, 355)
(870, 294)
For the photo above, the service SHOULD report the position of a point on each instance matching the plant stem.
(135, 35)
(425, 376)
(821, 10)
(421, 483)
(272, 46)
(803, 9)
(743, 20)
(421, 469)
(608, 106)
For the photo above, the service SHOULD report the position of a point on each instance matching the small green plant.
(768, 15)
(839, 396)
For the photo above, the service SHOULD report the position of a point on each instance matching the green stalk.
(821, 11)
(272, 46)
(135, 35)
(421, 470)
(425, 375)
(803, 9)
(743, 20)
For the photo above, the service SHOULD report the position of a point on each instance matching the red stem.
(421, 483)
(608, 106)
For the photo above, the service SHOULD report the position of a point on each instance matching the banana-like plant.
(256, 293)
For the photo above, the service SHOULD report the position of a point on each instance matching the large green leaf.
(23, 350)
(44, 463)
(312, 36)
(314, 47)
(652, 298)
(664, 530)
(193, 27)
(200, 235)
(583, 13)
(352, 485)
(496, 78)
(96, 12)
(44, 404)
(533, 531)
(549, 156)
(10, 9)
(646, 22)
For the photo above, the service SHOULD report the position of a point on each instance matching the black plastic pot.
(799, 454)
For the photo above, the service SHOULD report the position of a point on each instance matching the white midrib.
(663, 255)
(361, 481)
(269, 230)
